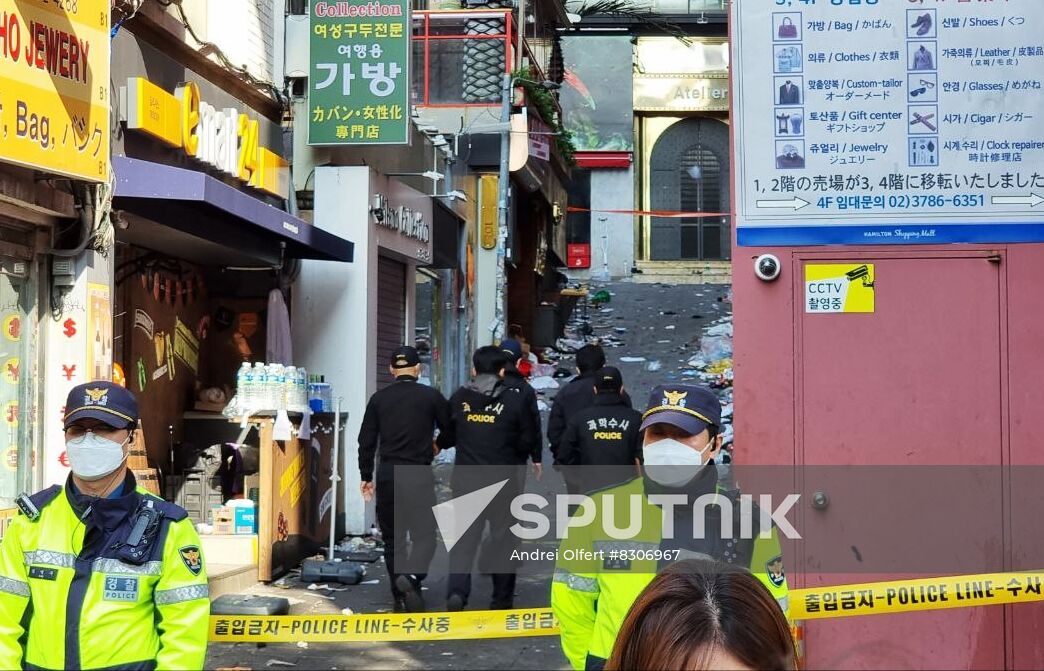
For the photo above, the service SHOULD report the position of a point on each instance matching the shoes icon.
(923, 24)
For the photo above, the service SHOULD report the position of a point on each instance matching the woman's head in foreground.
(700, 615)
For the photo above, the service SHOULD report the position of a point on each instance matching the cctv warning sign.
(839, 287)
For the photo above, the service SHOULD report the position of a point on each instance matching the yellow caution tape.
(898, 596)
(905, 596)
(390, 627)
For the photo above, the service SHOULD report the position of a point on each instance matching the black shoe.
(410, 594)
(400, 605)
(455, 603)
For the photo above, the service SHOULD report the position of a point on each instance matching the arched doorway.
(689, 171)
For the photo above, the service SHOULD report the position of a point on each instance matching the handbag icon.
(787, 30)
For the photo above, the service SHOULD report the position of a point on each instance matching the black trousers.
(410, 514)
(495, 555)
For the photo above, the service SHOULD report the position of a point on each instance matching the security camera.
(767, 267)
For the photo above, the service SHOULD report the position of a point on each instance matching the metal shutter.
(391, 314)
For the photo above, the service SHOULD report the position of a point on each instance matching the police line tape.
(897, 596)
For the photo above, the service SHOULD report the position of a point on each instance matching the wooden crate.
(148, 478)
(138, 458)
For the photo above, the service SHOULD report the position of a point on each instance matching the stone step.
(683, 272)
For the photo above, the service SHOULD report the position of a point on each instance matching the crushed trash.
(632, 359)
(653, 366)
(302, 644)
(541, 383)
(347, 611)
(371, 582)
(542, 406)
(279, 662)
(446, 456)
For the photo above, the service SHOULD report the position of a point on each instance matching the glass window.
(17, 377)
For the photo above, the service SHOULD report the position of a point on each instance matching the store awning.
(197, 204)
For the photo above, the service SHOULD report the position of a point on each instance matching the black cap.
(686, 406)
(105, 401)
(512, 349)
(608, 379)
(405, 357)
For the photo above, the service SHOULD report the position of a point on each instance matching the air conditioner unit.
(297, 45)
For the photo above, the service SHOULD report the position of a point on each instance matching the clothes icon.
(923, 24)
(923, 60)
(789, 94)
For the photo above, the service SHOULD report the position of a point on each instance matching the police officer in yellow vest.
(100, 574)
(598, 577)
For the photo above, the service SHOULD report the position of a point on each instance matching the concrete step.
(683, 272)
(230, 578)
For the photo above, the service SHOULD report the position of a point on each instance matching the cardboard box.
(244, 521)
(223, 528)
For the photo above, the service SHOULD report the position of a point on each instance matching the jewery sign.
(54, 102)
(359, 83)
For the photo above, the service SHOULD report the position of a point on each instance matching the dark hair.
(515, 331)
(589, 358)
(489, 360)
(696, 608)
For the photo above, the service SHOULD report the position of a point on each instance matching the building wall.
(612, 235)
(938, 395)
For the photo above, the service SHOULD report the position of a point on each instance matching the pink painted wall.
(980, 327)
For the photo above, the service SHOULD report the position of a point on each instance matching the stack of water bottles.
(271, 387)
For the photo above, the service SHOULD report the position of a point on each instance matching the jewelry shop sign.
(54, 96)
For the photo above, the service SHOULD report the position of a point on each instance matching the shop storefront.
(205, 255)
(347, 318)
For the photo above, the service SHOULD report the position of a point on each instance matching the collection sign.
(225, 139)
(359, 73)
(54, 102)
(888, 122)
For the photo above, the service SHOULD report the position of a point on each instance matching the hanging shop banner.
(888, 122)
(54, 102)
(359, 86)
(99, 331)
(839, 288)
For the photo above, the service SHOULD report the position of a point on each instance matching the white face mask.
(92, 457)
(672, 463)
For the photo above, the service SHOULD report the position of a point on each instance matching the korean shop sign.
(359, 79)
(225, 139)
(54, 101)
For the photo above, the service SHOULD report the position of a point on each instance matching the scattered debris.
(632, 359)
(279, 662)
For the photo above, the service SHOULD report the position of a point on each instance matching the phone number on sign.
(900, 202)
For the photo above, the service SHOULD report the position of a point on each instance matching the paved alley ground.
(657, 329)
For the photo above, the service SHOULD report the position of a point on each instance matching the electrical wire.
(206, 48)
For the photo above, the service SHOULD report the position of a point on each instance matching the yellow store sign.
(54, 86)
(225, 138)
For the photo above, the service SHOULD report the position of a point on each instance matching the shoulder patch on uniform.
(774, 568)
(192, 558)
(31, 506)
(171, 511)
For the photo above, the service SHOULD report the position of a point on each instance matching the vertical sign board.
(359, 77)
(887, 122)
(54, 100)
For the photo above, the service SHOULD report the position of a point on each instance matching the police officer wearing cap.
(513, 379)
(602, 444)
(598, 577)
(98, 573)
(399, 425)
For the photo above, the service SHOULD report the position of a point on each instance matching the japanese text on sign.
(54, 103)
(870, 122)
(359, 73)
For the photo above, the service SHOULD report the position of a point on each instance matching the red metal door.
(917, 383)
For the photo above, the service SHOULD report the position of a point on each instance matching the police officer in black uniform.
(605, 435)
(400, 423)
(513, 379)
(492, 428)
